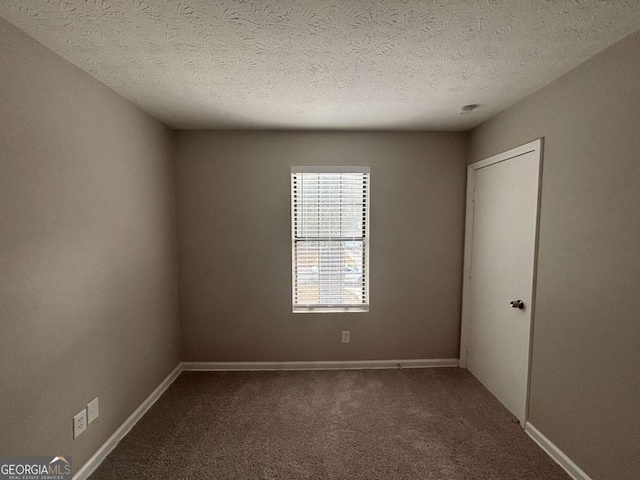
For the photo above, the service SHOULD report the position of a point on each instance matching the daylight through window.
(330, 222)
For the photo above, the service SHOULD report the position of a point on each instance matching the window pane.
(329, 205)
(330, 273)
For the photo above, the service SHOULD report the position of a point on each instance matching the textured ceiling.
(337, 64)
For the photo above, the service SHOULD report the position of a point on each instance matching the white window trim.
(328, 308)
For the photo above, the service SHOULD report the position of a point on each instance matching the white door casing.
(503, 194)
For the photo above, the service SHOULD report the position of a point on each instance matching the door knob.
(517, 304)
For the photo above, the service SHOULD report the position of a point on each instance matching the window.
(330, 243)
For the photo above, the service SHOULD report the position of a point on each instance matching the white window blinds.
(330, 222)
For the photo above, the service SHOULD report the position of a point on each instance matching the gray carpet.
(435, 423)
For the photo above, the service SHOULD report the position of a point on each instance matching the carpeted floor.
(437, 423)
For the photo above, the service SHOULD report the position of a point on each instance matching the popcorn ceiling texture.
(337, 64)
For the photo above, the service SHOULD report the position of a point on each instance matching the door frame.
(534, 146)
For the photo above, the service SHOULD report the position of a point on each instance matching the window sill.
(358, 309)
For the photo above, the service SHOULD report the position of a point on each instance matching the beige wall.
(88, 271)
(585, 386)
(235, 246)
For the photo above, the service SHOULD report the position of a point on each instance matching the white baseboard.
(98, 457)
(554, 452)
(319, 365)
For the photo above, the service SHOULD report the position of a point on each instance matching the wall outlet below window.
(346, 336)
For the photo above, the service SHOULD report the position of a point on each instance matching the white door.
(500, 267)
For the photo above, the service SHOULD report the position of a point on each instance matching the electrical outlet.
(92, 410)
(346, 336)
(80, 423)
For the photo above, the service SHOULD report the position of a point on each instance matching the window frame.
(333, 308)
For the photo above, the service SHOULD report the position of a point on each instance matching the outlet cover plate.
(346, 336)
(80, 423)
(92, 410)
